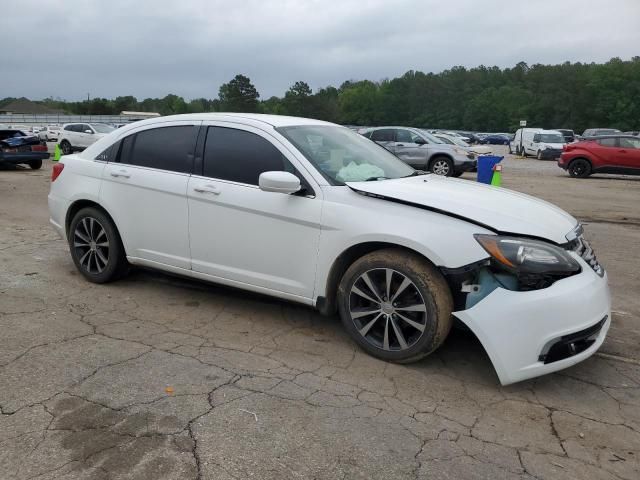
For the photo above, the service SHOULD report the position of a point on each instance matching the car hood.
(502, 210)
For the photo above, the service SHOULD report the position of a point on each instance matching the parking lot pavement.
(156, 377)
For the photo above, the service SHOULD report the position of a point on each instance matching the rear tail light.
(39, 148)
(56, 171)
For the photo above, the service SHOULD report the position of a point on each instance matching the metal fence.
(27, 119)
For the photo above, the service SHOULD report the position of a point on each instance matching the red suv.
(608, 154)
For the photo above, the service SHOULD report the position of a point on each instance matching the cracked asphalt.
(157, 377)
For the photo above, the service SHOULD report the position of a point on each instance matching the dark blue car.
(16, 147)
(496, 139)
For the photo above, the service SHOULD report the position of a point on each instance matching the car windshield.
(102, 128)
(342, 155)
(551, 138)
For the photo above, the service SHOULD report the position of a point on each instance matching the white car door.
(245, 235)
(144, 190)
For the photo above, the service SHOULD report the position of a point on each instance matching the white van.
(543, 144)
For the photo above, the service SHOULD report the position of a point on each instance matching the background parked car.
(610, 154)
(50, 133)
(78, 136)
(423, 151)
(16, 147)
(596, 132)
(477, 149)
(569, 135)
(543, 144)
(495, 139)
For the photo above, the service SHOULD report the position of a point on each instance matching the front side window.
(630, 143)
(344, 156)
(240, 156)
(165, 148)
(84, 127)
(404, 136)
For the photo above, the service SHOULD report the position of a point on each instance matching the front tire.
(579, 168)
(96, 247)
(441, 166)
(65, 146)
(395, 305)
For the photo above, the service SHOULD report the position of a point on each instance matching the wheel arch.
(581, 157)
(436, 156)
(328, 304)
(78, 205)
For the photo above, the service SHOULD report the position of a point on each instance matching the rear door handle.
(207, 189)
(121, 173)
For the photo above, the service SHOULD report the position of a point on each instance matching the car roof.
(609, 135)
(273, 120)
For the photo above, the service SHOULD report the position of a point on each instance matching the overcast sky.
(149, 48)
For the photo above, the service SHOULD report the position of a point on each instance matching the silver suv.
(423, 151)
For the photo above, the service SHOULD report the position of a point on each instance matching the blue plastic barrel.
(485, 167)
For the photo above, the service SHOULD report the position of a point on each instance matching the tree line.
(569, 95)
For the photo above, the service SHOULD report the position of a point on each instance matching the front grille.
(582, 248)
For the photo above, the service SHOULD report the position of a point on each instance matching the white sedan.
(312, 212)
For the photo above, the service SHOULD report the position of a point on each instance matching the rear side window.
(383, 135)
(165, 148)
(608, 142)
(240, 156)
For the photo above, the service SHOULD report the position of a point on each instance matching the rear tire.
(441, 166)
(579, 168)
(407, 313)
(95, 245)
(35, 164)
(65, 146)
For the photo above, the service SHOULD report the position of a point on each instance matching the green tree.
(239, 95)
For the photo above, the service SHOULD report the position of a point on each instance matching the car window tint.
(607, 142)
(84, 127)
(240, 156)
(108, 154)
(165, 148)
(383, 135)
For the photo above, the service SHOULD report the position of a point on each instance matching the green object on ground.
(56, 153)
(496, 179)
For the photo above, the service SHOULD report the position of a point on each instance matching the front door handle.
(399, 144)
(207, 189)
(121, 173)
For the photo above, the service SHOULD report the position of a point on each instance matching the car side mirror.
(279, 182)
(420, 141)
(88, 131)
(536, 138)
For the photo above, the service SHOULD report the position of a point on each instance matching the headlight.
(523, 256)
(459, 151)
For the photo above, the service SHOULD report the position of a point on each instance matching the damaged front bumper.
(532, 333)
